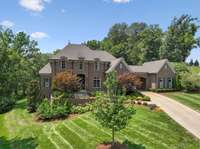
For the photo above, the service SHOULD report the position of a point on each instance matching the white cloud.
(63, 10)
(34, 5)
(121, 1)
(7, 24)
(39, 35)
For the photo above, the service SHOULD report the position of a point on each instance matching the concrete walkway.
(185, 116)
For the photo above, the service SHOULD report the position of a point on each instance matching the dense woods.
(140, 42)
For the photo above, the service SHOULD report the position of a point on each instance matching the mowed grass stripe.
(75, 133)
(185, 98)
(99, 134)
(80, 129)
(134, 136)
(120, 136)
(62, 141)
(152, 136)
(71, 137)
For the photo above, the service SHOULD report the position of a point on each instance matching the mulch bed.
(108, 145)
(70, 116)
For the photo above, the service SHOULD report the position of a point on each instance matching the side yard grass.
(146, 130)
(189, 99)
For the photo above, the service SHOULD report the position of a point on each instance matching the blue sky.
(55, 22)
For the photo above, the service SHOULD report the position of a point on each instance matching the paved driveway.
(185, 116)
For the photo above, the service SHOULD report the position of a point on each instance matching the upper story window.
(81, 65)
(120, 66)
(97, 66)
(63, 65)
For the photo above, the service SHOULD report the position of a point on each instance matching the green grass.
(146, 130)
(189, 99)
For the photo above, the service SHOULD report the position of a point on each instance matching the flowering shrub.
(66, 81)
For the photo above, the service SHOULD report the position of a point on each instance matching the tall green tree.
(150, 43)
(180, 39)
(93, 44)
(20, 61)
(191, 63)
(196, 63)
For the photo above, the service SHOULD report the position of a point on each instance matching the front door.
(82, 80)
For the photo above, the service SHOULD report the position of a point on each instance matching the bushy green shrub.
(146, 98)
(33, 95)
(57, 108)
(6, 104)
(82, 109)
(191, 82)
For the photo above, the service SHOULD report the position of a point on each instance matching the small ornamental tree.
(109, 109)
(128, 82)
(33, 95)
(66, 81)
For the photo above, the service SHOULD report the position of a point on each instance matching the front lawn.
(146, 130)
(189, 99)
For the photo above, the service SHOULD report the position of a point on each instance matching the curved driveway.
(182, 114)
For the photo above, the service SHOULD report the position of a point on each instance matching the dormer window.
(97, 66)
(63, 65)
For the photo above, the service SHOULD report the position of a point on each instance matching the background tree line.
(20, 61)
(140, 42)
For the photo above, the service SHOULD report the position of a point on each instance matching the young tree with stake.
(109, 109)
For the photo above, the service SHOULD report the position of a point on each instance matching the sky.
(54, 23)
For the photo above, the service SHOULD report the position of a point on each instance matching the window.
(170, 82)
(165, 66)
(46, 82)
(97, 66)
(63, 66)
(120, 66)
(96, 82)
(161, 82)
(81, 66)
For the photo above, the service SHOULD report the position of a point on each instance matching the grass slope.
(146, 130)
(189, 99)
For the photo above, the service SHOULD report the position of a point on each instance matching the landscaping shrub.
(33, 95)
(66, 81)
(128, 83)
(6, 104)
(191, 82)
(58, 108)
(82, 109)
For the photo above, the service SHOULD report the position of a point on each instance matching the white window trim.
(46, 82)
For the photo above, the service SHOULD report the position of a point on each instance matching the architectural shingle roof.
(77, 51)
(150, 67)
(115, 63)
(46, 69)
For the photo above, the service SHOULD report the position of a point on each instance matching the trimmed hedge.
(163, 90)
(6, 104)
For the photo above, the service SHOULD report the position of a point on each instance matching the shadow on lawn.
(131, 145)
(17, 143)
(21, 104)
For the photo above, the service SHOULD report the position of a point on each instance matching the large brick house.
(93, 65)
